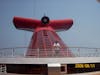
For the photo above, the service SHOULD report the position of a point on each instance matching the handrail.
(76, 51)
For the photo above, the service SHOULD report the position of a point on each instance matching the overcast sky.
(85, 31)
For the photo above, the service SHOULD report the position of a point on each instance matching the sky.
(85, 31)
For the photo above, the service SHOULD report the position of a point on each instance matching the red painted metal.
(44, 36)
(32, 24)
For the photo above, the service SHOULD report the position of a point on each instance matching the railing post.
(96, 52)
(78, 52)
(13, 52)
(38, 52)
(1, 53)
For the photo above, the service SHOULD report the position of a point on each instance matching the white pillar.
(54, 69)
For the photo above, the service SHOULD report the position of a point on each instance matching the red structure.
(44, 35)
(45, 43)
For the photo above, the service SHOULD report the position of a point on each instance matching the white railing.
(3, 69)
(76, 52)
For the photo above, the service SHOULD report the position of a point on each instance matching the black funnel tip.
(45, 20)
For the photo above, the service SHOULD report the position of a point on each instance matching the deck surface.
(50, 60)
